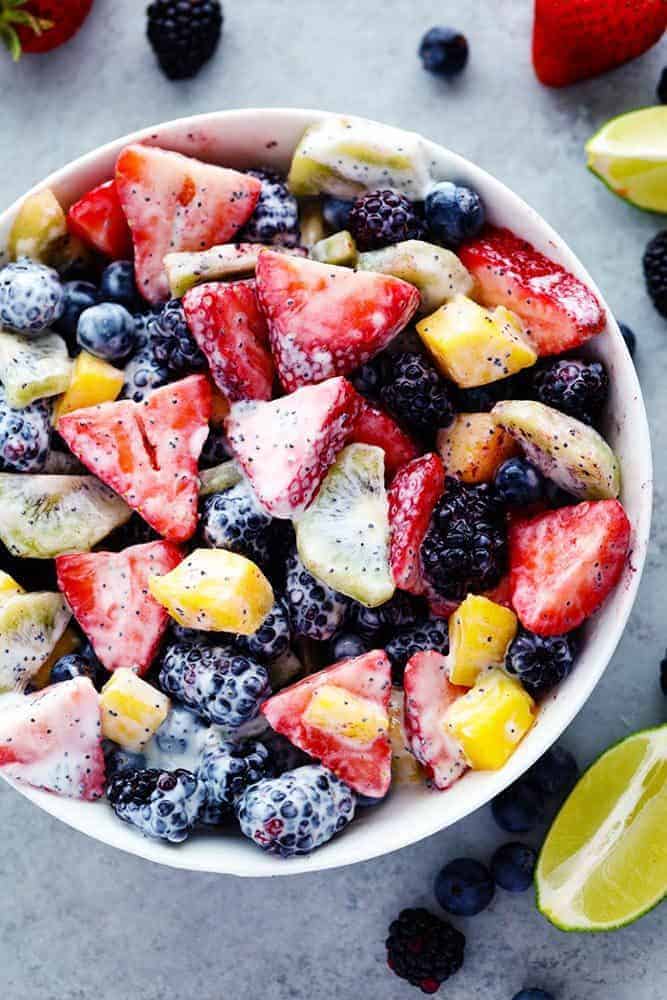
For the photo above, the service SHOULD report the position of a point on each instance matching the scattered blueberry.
(464, 887)
(31, 297)
(77, 296)
(172, 344)
(336, 212)
(519, 808)
(71, 666)
(107, 331)
(519, 483)
(661, 89)
(540, 662)
(275, 220)
(555, 773)
(381, 218)
(162, 804)
(443, 51)
(629, 338)
(453, 213)
(118, 284)
(25, 435)
(346, 645)
(513, 866)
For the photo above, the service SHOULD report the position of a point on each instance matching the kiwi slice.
(339, 249)
(30, 627)
(343, 537)
(437, 273)
(46, 516)
(226, 262)
(33, 368)
(219, 478)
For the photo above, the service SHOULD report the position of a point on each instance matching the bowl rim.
(405, 835)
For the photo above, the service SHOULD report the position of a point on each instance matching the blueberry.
(346, 645)
(70, 666)
(453, 213)
(118, 284)
(513, 866)
(336, 212)
(661, 89)
(533, 994)
(77, 296)
(443, 51)
(519, 808)
(107, 331)
(464, 887)
(31, 297)
(629, 338)
(118, 759)
(555, 773)
(518, 482)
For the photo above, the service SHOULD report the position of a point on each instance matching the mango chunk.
(475, 346)
(335, 710)
(479, 633)
(93, 381)
(490, 720)
(215, 590)
(471, 448)
(132, 709)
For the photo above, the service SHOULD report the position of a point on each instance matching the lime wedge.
(629, 154)
(604, 862)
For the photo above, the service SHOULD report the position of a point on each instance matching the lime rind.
(629, 155)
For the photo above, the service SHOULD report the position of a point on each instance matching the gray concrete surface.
(78, 921)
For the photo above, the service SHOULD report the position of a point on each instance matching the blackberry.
(379, 218)
(184, 35)
(540, 662)
(31, 297)
(234, 520)
(464, 887)
(275, 220)
(443, 51)
(377, 625)
(70, 666)
(346, 645)
(655, 271)
(513, 866)
(220, 686)
(118, 284)
(172, 344)
(424, 949)
(629, 338)
(453, 213)
(272, 638)
(315, 610)
(143, 373)
(25, 435)
(296, 812)
(430, 634)
(579, 388)
(107, 330)
(465, 547)
(417, 395)
(216, 449)
(226, 770)
(162, 804)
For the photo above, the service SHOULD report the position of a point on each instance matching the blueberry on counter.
(518, 808)
(443, 51)
(513, 866)
(464, 887)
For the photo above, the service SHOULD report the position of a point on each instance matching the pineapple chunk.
(335, 710)
(132, 710)
(490, 720)
(479, 633)
(39, 226)
(474, 346)
(215, 590)
(67, 643)
(93, 381)
(471, 448)
(405, 768)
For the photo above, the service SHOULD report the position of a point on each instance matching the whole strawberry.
(40, 25)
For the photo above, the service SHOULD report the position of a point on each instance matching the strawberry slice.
(442, 607)
(376, 427)
(229, 327)
(558, 310)
(53, 740)
(577, 39)
(325, 320)
(173, 202)
(286, 446)
(563, 564)
(428, 695)
(147, 452)
(98, 219)
(109, 597)
(416, 489)
(364, 764)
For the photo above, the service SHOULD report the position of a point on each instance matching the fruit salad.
(302, 484)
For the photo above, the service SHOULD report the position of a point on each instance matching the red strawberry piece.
(109, 597)
(148, 452)
(428, 695)
(325, 320)
(558, 311)
(100, 222)
(376, 427)
(577, 39)
(226, 322)
(173, 202)
(40, 25)
(414, 492)
(564, 564)
(53, 740)
(441, 607)
(364, 767)
(286, 446)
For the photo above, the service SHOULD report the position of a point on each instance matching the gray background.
(78, 920)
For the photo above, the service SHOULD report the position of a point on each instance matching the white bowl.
(253, 138)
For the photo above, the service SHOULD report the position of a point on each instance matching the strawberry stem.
(12, 16)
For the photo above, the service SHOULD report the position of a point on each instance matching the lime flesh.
(629, 154)
(604, 862)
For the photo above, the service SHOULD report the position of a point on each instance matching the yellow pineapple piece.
(490, 720)
(405, 768)
(474, 346)
(132, 709)
(93, 381)
(479, 633)
(471, 448)
(335, 710)
(67, 643)
(215, 590)
(38, 228)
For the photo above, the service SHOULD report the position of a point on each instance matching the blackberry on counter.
(172, 343)
(655, 271)
(377, 625)
(465, 547)
(234, 520)
(31, 297)
(540, 662)
(275, 220)
(25, 435)
(430, 634)
(226, 770)
(315, 610)
(424, 949)
(272, 638)
(416, 394)
(184, 34)
(443, 51)
(579, 388)
(296, 812)
(162, 804)
(380, 218)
